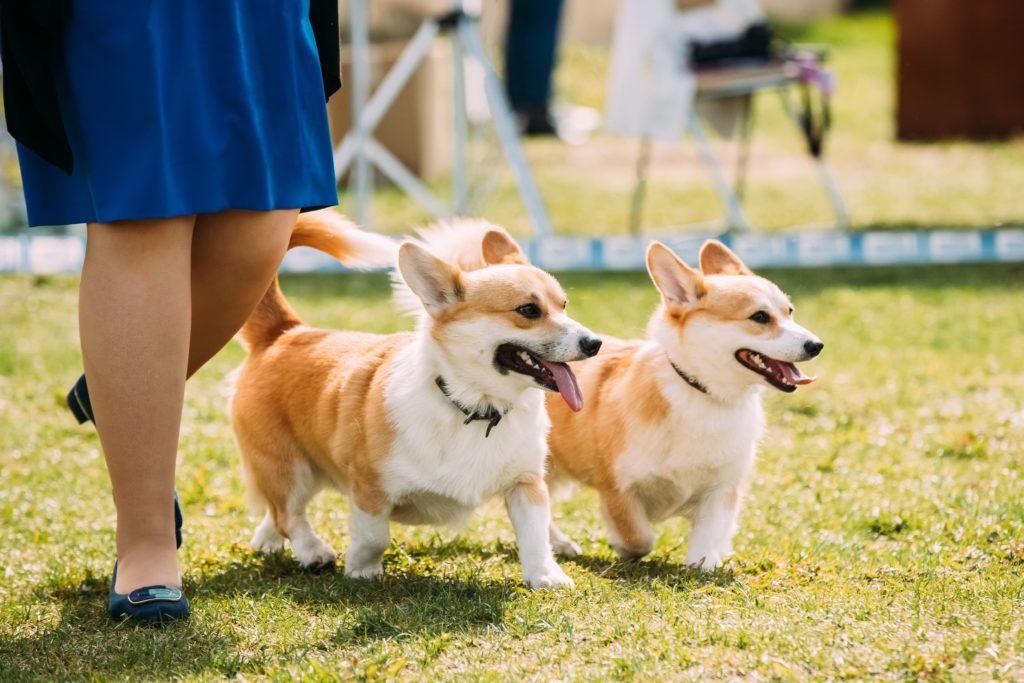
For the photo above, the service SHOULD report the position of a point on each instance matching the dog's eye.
(531, 311)
(761, 317)
(791, 310)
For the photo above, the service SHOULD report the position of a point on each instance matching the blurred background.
(916, 106)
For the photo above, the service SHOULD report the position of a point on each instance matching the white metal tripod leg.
(733, 211)
(405, 179)
(361, 183)
(468, 33)
(460, 184)
(385, 95)
(835, 199)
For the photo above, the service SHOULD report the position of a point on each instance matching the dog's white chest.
(444, 468)
(704, 447)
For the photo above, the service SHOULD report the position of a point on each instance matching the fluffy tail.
(329, 232)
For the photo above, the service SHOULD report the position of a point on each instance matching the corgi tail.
(333, 234)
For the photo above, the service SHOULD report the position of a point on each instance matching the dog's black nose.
(590, 346)
(813, 348)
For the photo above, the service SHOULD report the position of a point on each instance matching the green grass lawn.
(883, 536)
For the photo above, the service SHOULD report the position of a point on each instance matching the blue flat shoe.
(148, 605)
(79, 403)
(81, 407)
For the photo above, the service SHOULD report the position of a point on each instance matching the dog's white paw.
(704, 561)
(368, 571)
(548, 576)
(267, 540)
(314, 555)
(566, 548)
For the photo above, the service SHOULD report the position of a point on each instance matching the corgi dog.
(416, 428)
(673, 422)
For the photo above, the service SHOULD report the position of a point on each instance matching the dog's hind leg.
(266, 538)
(629, 531)
(285, 485)
(561, 544)
(310, 550)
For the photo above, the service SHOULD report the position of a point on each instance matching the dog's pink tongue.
(568, 387)
(794, 375)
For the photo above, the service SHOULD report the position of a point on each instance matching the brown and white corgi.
(672, 423)
(419, 427)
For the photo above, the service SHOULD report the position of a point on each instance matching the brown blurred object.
(961, 69)
(683, 5)
(417, 128)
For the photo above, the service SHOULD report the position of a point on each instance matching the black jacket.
(32, 51)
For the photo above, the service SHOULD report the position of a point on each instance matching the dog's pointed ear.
(437, 283)
(679, 284)
(718, 259)
(499, 247)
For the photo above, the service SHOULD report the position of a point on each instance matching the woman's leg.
(134, 317)
(235, 255)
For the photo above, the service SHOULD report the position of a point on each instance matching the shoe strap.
(141, 596)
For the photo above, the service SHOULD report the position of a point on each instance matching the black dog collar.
(492, 415)
(690, 379)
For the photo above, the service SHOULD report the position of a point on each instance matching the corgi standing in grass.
(672, 422)
(418, 428)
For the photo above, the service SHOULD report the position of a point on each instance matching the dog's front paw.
(314, 555)
(548, 576)
(566, 548)
(267, 542)
(368, 571)
(704, 561)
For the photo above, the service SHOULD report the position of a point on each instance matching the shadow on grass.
(648, 570)
(231, 601)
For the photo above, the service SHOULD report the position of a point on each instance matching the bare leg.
(235, 255)
(134, 318)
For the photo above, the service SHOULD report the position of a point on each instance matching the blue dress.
(178, 107)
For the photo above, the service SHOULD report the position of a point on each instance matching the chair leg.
(733, 210)
(643, 163)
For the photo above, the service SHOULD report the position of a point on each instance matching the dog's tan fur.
(314, 407)
(652, 446)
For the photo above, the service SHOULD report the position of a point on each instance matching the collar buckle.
(492, 415)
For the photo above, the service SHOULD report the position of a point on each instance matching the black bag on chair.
(753, 44)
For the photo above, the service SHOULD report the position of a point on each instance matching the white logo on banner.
(891, 247)
(950, 246)
(819, 248)
(564, 253)
(762, 250)
(1010, 245)
(625, 253)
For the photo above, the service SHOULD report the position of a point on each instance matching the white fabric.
(651, 88)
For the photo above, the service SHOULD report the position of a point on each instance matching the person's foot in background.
(530, 49)
(536, 120)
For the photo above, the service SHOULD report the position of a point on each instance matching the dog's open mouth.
(781, 374)
(552, 376)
